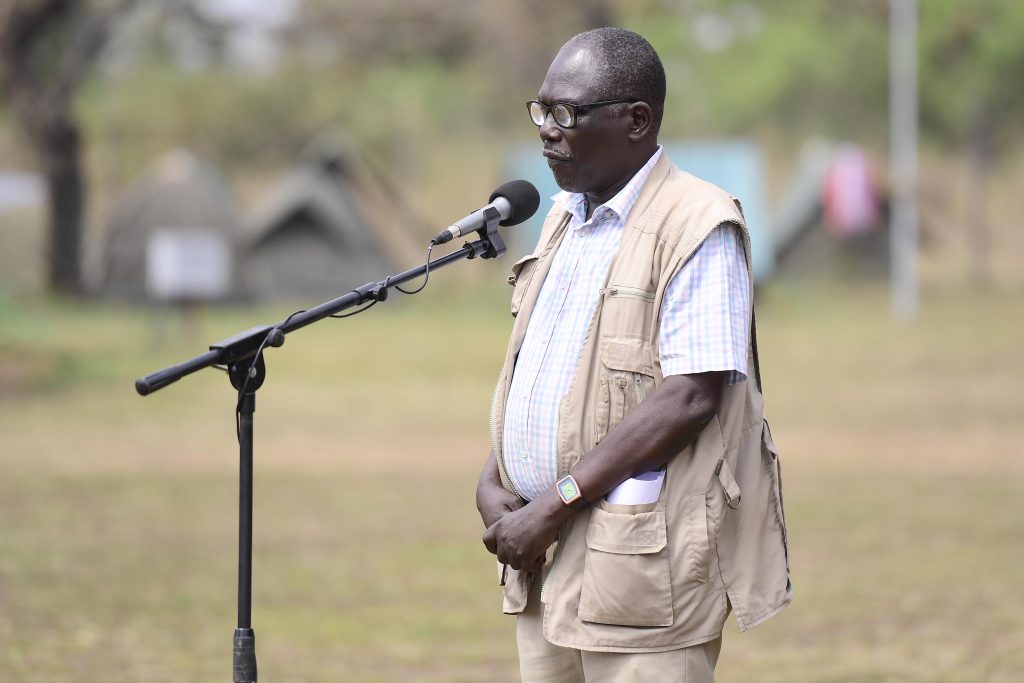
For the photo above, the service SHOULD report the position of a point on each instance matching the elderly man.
(631, 494)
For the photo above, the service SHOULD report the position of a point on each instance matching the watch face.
(567, 489)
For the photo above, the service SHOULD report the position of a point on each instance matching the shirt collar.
(620, 205)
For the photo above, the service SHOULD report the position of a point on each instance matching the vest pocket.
(515, 590)
(773, 468)
(626, 376)
(697, 540)
(626, 576)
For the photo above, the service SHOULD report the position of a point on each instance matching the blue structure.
(734, 165)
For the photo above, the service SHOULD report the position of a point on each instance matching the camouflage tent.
(180, 198)
(330, 225)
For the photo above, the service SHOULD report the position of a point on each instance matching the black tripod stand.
(242, 356)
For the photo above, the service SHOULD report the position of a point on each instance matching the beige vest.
(664, 575)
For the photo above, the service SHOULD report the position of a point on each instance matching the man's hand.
(517, 533)
(521, 538)
(492, 499)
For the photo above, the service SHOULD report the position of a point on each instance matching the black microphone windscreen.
(523, 197)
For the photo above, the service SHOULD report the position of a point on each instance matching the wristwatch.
(569, 492)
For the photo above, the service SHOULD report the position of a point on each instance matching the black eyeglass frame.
(571, 108)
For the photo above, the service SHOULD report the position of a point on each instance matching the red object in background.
(850, 197)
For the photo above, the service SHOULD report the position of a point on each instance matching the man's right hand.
(493, 500)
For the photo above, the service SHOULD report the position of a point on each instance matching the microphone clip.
(490, 244)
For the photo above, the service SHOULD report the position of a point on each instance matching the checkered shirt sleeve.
(705, 315)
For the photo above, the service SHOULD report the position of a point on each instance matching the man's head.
(609, 142)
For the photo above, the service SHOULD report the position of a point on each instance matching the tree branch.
(87, 43)
(23, 23)
(22, 26)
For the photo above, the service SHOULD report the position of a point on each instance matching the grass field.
(903, 452)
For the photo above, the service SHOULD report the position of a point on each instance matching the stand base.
(244, 656)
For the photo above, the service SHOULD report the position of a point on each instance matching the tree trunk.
(979, 230)
(61, 161)
(46, 50)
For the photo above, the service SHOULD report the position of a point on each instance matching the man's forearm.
(490, 474)
(667, 422)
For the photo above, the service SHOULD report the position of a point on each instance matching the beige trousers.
(542, 662)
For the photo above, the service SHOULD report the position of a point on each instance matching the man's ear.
(641, 121)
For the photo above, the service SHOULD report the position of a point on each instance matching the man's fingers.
(537, 563)
(490, 542)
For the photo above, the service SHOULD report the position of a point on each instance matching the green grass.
(902, 449)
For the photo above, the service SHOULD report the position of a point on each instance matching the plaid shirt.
(705, 325)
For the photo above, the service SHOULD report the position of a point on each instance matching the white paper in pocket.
(639, 490)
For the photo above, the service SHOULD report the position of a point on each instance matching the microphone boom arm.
(245, 344)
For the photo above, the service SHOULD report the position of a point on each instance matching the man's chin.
(566, 181)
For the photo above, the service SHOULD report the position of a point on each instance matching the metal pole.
(243, 654)
(245, 513)
(903, 157)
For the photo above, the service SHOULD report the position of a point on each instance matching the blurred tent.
(333, 223)
(173, 235)
(22, 254)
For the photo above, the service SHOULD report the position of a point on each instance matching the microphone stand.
(242, 355)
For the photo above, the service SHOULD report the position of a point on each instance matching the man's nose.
(549, 130)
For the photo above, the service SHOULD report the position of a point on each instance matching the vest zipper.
(638, 386)
(502, 474)
(636, 292)
(558, 538)
(554, 561)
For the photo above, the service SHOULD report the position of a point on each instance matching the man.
(631, 494)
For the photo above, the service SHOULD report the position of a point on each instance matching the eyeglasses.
(564, 113)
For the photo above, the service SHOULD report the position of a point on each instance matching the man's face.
(593, 156)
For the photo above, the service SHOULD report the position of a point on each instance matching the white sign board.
(188, 263)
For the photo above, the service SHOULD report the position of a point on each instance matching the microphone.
(515, 201)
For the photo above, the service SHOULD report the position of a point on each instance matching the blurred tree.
(514, 40)
(816, 64)
(47, 48)
(401, 76)
(743, 68)
(972, 59)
